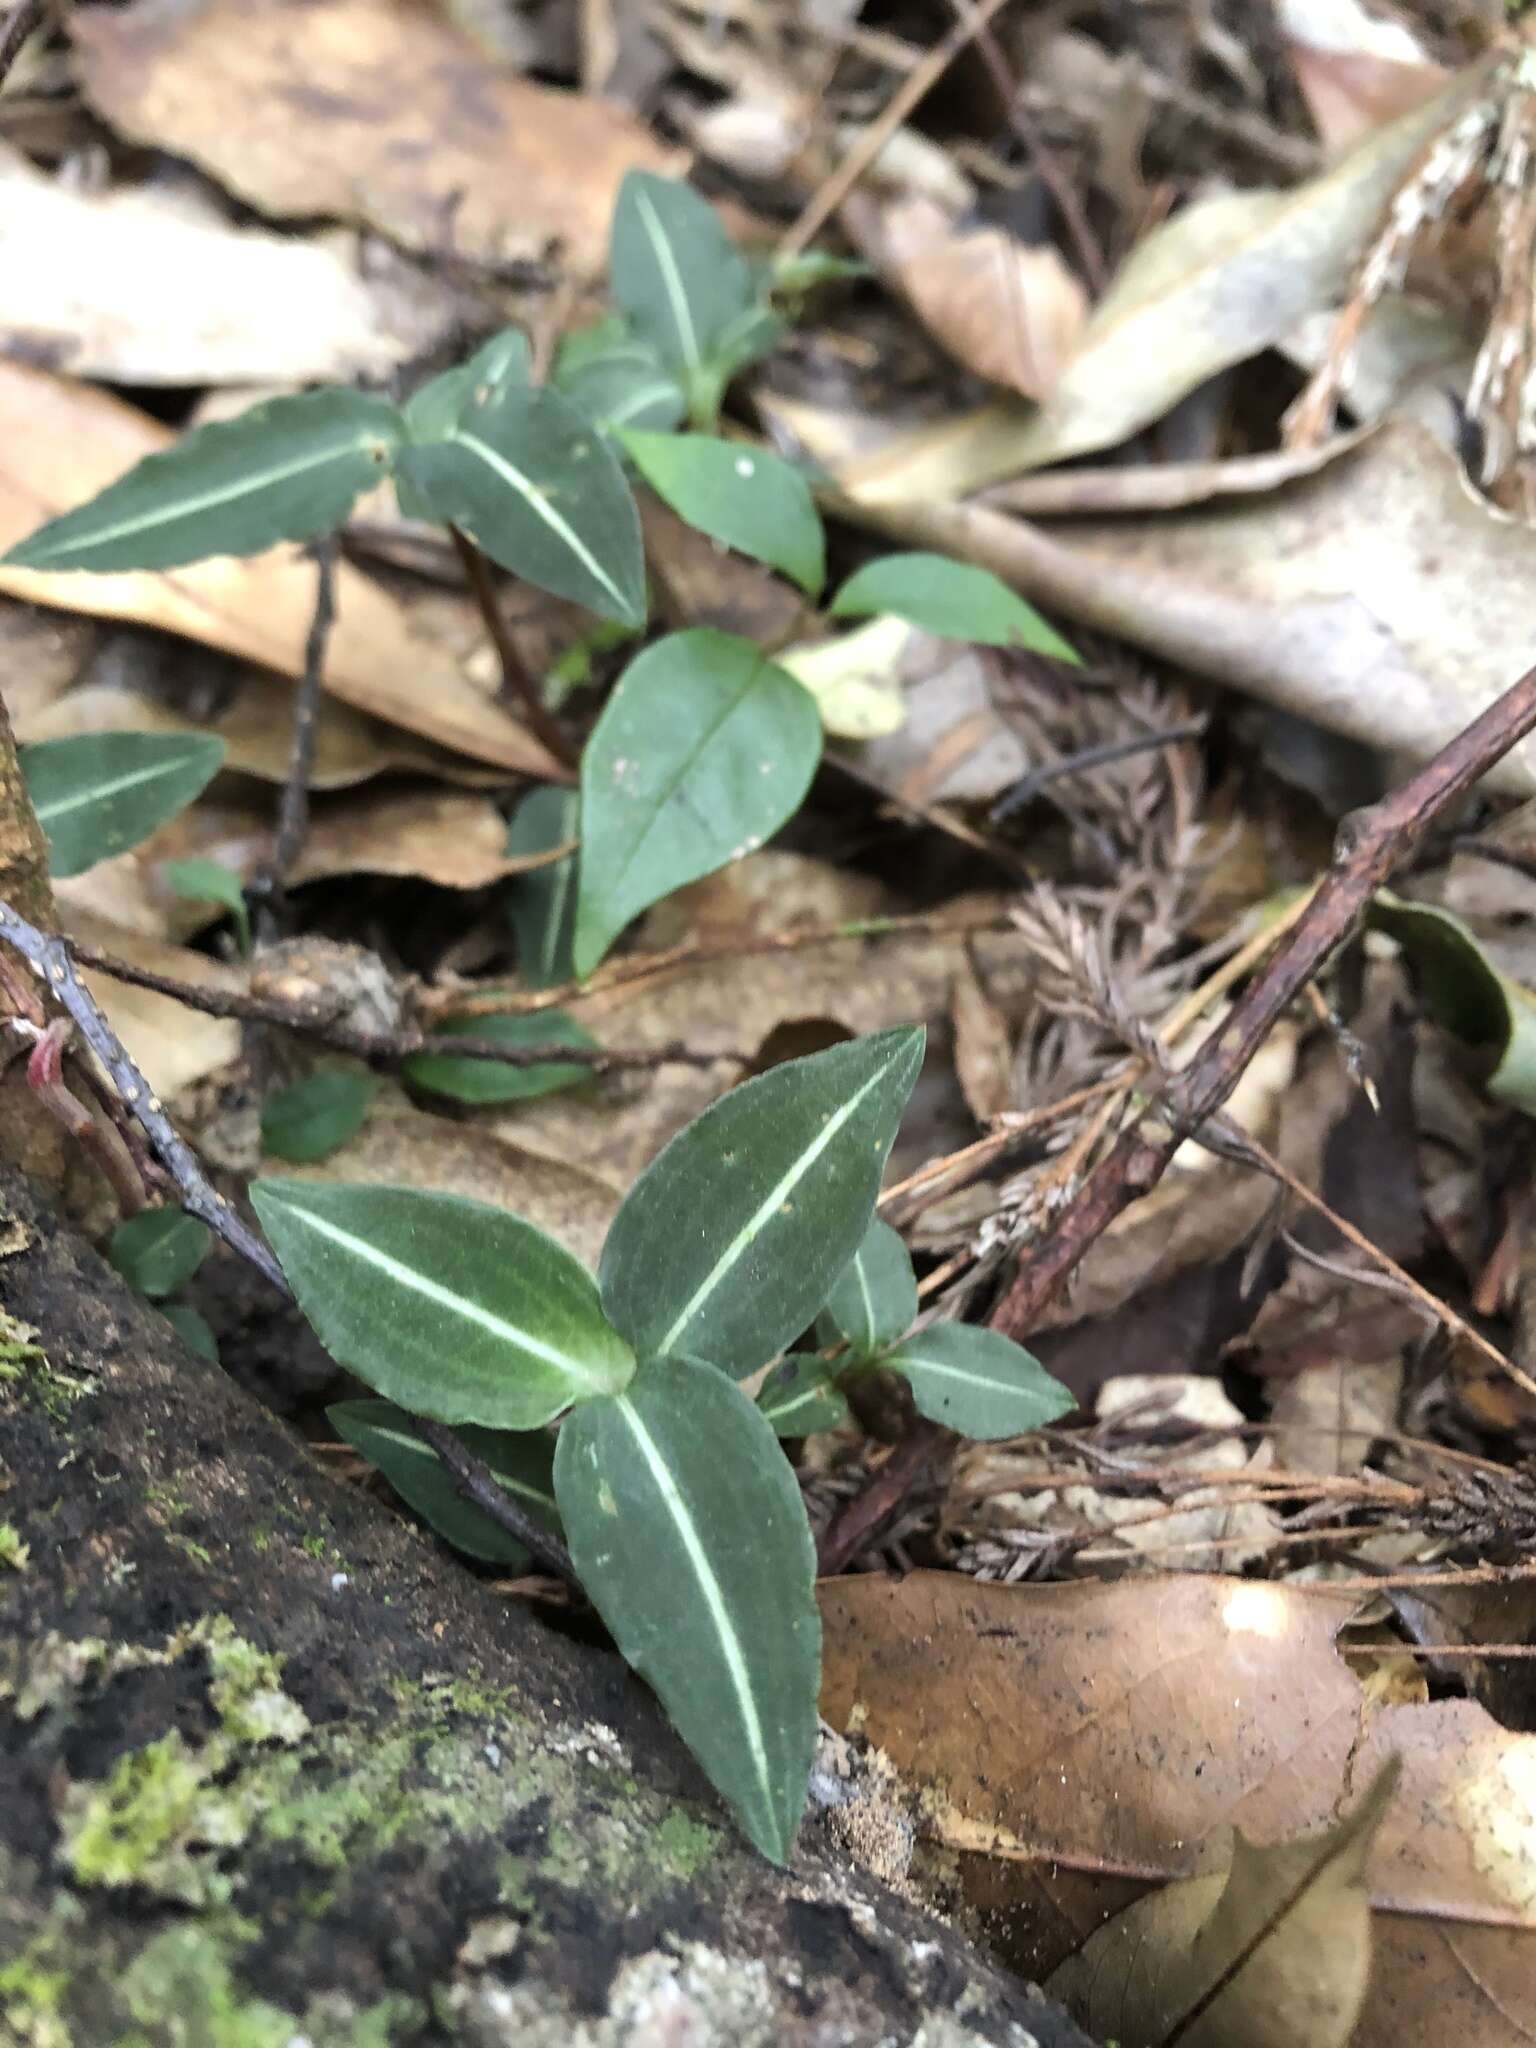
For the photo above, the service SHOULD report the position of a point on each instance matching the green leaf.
(209, 881)
(1465, 993)
(792, 276)
(439, 405)
(800, 1396)
(455, 1309)
(542, 902)
(522, 1462)
(482, 1080)
(192, 1329)
(977, 1381)
(537, 487)
(875, 1299)
(687, 1530)
(703, 749)
(100, 793)
(729, 1241)
(617, 379)
(953, 598)
(675, 272)
(158, 1251)
(285, 470)
(317, 1115)
(751, 500)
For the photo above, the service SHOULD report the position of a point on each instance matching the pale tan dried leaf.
(1275, 1954)
(171, 1045)
(1222, 280)
(983, 1047)
(1356, 70)
(389, 116)
(60, 443)
(255, 722)
(1398, 639)
(412, 1147)
(73, 266)
(1012, 314)
(1075, 1740)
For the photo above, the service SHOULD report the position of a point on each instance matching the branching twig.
(389, 1048)
(1371, 844)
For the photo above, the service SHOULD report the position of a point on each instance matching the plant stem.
(518, 689)
(293, 811)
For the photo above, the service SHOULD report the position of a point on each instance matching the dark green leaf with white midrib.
(875, 1299)
(485, 1081)
(158, 1250)
(978, 1382)
(542, 902)
(286, 470)
(687, 1530)
(957, 599)
(777, 1181)
(497, 473)
(522, 1464)
(453, 1308)
(801, 1396)
(98, 794)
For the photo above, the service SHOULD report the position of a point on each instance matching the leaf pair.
(683, 1518)
(971, 1379)
(518, 468)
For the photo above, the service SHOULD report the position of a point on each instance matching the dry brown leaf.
(63, 442)
(1399, 639)
(171, 1045)
(411, 1147)
(983, 1047)
(255, 722)
(1010, 313)
(1073, 1740)
(1275, 1954)
(1355, 69)
(367, 110)
(1222, 280)
(73, 266)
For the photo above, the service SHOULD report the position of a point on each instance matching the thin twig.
(519, 691)
(389, 1048)
(49, 959)
(23, 18)
(1030, 785)
(915, 87)
(1371, 844)
(293, 811)
(858, 1521)
(479, 1485)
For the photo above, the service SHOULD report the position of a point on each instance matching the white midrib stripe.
(765, 1209)
(869, 1306)
(672, 281)
(103, 792)
(714, 1599)
(245, 486)
(441, 1297)
(541, 508)
(905, 1357)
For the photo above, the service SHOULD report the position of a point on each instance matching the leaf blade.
(702, 751)
(450, 1307)
(875, 1299)
(956, 599)
(769, 1239)
(316, 1116)
(538, 488)
(285, 470)
(725, 1629)
(98, 794)
(482, 1081)
(674, 270)
(800, 1397)
(978, 1382)
(748, 498)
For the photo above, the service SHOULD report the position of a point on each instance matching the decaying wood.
(278, 1766)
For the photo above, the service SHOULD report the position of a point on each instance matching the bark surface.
(277, 1772)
